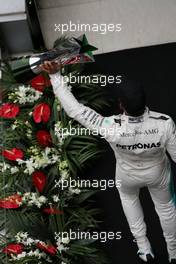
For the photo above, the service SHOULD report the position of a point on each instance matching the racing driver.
(139, 138)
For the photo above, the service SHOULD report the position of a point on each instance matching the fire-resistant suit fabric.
(140, 145)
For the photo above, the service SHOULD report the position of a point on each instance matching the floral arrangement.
(34, 154)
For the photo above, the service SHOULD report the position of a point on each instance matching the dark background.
(155, 67)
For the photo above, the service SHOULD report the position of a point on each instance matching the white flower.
(30, 253)
(20, 161)
(29, 133)
(65, 240)
(30, 166)
(21, 236)
(34, 199)
(22, 255)
(56, 198)
(29, 241)
(64, 175)
(42, 199)
(60, 133)
(25, 94)
(63, 165)
(39, 159)
(47, 150)
(60, 242)
(59, 124)
(13, 127)
(74, 190)
(61, 247)
(4, 166)
(14, 170)
(19, 256)
(36, 253)
(55, 158)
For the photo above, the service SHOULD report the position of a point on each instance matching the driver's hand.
(50, 67)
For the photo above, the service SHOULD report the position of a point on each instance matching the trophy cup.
(69, 51)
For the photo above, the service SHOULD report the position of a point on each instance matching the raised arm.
(86, 116)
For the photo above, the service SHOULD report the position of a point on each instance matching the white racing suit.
(139, 145)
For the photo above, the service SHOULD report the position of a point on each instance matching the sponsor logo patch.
(139, 146)
(152, 131)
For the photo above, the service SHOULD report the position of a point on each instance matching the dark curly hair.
(132, 97)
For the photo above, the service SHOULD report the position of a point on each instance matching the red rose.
(40, 82)
(44, 138)
(9, 110)
(39, 180)
(13, 154)
(13, 249)
(52, 211)
(47, 248)
(11, 202)
(41, 113)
